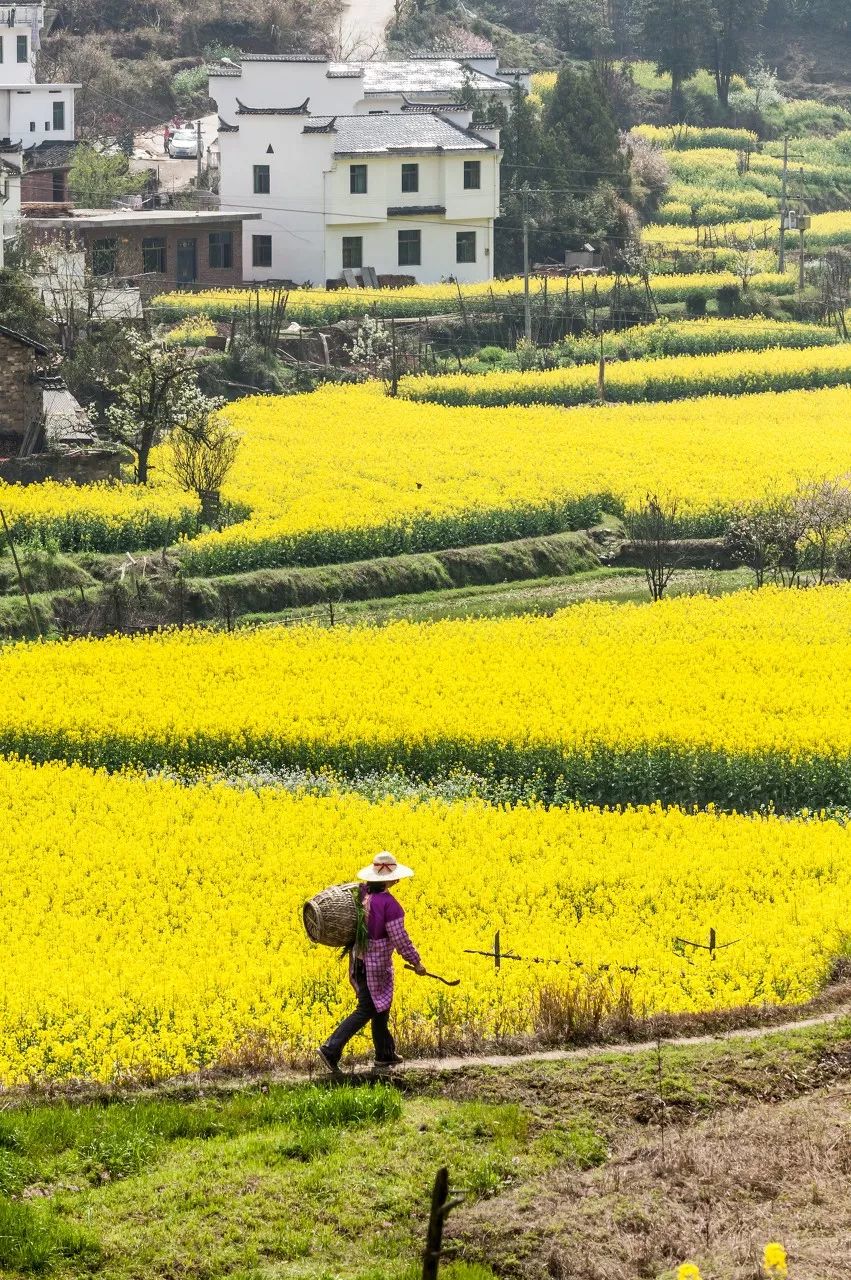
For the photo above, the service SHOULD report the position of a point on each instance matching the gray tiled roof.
(372, 135)
(282, 57)
(440, 75)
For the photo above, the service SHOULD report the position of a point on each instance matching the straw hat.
(385, 867)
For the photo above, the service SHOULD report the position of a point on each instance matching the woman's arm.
(401, 942)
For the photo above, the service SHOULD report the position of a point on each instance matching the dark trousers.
(385, 1047)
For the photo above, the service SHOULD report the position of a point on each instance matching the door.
(187, 261)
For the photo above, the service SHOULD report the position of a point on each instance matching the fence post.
(712, 943)
(497, 954)
(441, 1206)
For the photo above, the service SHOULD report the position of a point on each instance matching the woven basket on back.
(330, 918)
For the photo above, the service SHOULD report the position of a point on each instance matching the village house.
(153, 250)
(10, 198)
(44, 433)
(360, 166)
(39, 118)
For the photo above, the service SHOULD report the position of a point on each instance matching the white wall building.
(362, 165)
(30, 113)
(10, 198)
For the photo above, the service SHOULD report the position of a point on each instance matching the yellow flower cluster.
(667, 378)
(150, 929)
(321, 306)
(191, 332)
(826, 229)
(103, 517)
(352, 461)
(689, 137)
(766, 671)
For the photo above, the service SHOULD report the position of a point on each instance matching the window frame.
(105, 245)
(23, 46)
(348, 244)
(472, 175)
(220, 246)
(467, 238)
(158, 245)
(356, 172)
(410, 170)
(57, 182)
(58, 111)
(258, 241)
(412, 243)
(262, 180)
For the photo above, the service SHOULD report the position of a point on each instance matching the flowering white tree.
(154, 392)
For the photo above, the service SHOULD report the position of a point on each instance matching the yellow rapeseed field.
(322, 306)
(826, 229)
(599, 691)
(150, 929)
(663, 379)
(348, 472)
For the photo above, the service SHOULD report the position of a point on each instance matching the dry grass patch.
(714, 1191)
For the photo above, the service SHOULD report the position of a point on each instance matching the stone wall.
(84, 467)
(20, 393)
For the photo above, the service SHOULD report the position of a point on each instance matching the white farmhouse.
(361, 166)
(358, 88)
(10, 198)
(30, 113)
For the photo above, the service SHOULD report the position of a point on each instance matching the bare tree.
(202, 452)
(652, 529)
(825, 513)
(756, 532)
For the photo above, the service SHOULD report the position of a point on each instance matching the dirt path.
(506, 1061)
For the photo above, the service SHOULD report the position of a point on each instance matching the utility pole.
(198, 149)
(527, 301)
(801, 229)
(781, 265)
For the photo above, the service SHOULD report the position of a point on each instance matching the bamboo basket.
(330, 918)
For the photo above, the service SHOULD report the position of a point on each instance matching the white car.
(183, 145)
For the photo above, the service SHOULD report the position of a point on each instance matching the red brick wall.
(37, 186)
(130, 264)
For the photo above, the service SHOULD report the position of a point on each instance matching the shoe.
(384, 1064)
(328, 1062)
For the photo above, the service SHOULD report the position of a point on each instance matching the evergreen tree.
(734, 23)
(582, 133)
(674, 34)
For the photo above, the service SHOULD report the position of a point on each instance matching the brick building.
(156, 249)
(21, 392)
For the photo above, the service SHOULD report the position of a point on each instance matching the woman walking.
(371, 964)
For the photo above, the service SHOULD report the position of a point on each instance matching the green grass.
(295, 1182)
(540, 597)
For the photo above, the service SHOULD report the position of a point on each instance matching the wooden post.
(497, 954)
(434, 1238)
(21, 581)
(441, 1206)
(712, 943)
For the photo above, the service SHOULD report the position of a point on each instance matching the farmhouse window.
(59, 115)
(465, 246)
(410, 177)
(221, 250)
(261, 251)
(357, 179)
(153, 255)
(262, 180)
(352, 253)
(472, 175)
(58, 186)
(23, 49)
(410, 248)
(104, 257)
